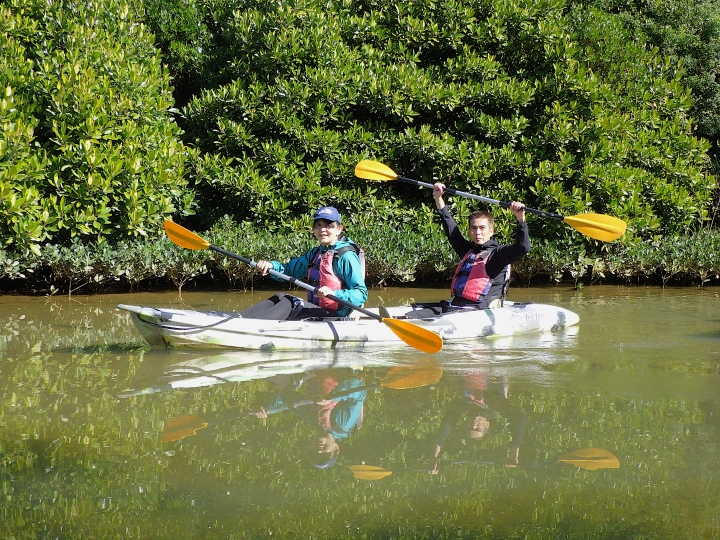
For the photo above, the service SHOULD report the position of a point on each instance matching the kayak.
(189, 369)
(195, 369)
(166, 327)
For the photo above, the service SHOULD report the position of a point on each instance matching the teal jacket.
(343, 417)
(348, 411)
(347, 267)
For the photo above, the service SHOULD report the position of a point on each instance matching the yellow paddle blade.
(415, 336)
(184, 238)
(404, 377)
(591, 459)
(597, 226)
(369, 472)
(374, 170)
(181, 427)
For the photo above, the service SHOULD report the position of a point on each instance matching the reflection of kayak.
(237, 366)
(215, 329)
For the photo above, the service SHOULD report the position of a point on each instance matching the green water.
(85, 404)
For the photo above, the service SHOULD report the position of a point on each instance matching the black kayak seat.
(279, 307)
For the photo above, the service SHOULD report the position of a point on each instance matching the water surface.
(86, 405)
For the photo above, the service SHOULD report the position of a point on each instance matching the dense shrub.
(553, 103)
(562, 108)
(394, 256)
(24, 218)
(688, 31)
(90, 148)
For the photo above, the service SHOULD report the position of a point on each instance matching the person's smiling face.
(326, 444)
(327, 232)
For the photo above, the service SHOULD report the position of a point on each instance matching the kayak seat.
(437, 309)
(286, 307)
(279, 307)
(329, 319)
(431, 312)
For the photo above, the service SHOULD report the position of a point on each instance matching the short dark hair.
(482, 214)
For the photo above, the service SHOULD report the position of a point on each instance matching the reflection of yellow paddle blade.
(597, 226)
(591, 459)
(181, 427)
(404, 377)
(369, 472)
(415, 336)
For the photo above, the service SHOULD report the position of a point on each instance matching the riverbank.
(393, 257)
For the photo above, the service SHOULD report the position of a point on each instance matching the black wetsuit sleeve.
(454, 413)
(509, 253)
(458, 242)
(516, 417)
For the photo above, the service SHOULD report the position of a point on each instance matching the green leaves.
(93, 151)
(560, 107)
(517, 100)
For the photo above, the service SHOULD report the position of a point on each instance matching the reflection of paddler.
(334, 416)
(474, 409)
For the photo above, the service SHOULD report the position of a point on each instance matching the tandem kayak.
(166, 327)
(189, 370)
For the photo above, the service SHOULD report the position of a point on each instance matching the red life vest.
(321, 274)
(471, 280)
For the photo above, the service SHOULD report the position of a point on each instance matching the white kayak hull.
(165, 327)
(189, 370)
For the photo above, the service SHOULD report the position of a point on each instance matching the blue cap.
(330, 462)
(327, 212)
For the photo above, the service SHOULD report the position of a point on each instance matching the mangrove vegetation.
(237, 118)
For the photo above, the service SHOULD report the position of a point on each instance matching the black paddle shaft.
(453, 191)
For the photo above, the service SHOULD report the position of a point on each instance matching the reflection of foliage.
(77, 462)
(260, 465)
(69, 459)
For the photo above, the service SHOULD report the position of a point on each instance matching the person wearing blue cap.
(335, 267)
(337, 412)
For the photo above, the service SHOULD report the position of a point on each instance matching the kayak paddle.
(598, 226)
(415, 336)
(397, 378)
(372, 472)
(591, 459)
